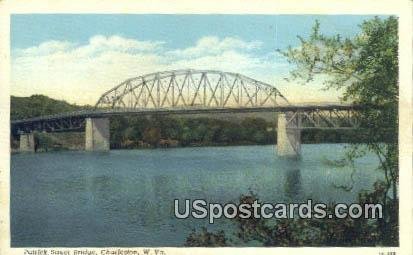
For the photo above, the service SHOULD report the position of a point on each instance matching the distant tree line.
(157, 131)
(171, 131)
(134, 132)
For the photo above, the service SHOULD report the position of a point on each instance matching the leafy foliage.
(366, 69)
(206, 239)
(189, 131)
(300, 232)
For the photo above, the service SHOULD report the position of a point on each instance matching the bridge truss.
(191, 88)
(336, 117)
(194, 92)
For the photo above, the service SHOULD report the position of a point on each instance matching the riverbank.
(148, 132)
(152, 139)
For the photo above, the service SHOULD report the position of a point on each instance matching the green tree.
(152, 135)
(365, 67)
(117, 127)
(130, 136)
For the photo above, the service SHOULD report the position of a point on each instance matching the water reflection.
(125, 198)
(292, 184)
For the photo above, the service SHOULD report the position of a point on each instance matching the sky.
(78, 57)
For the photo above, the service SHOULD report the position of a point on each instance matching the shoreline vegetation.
(365, 67)
(165, 131)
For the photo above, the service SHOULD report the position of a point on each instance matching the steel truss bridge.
(194, 92)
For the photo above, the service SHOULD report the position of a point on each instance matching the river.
(125, 197)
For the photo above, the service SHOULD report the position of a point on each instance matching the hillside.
(38, 105)
(175, 130)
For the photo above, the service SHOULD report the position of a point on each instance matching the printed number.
(387, 253)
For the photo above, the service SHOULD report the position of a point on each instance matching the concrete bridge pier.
(27, 143)
(288, 136)
(97, 137)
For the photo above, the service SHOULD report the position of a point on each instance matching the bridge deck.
(184, 110)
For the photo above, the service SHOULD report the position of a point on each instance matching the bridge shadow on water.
(292, 185)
